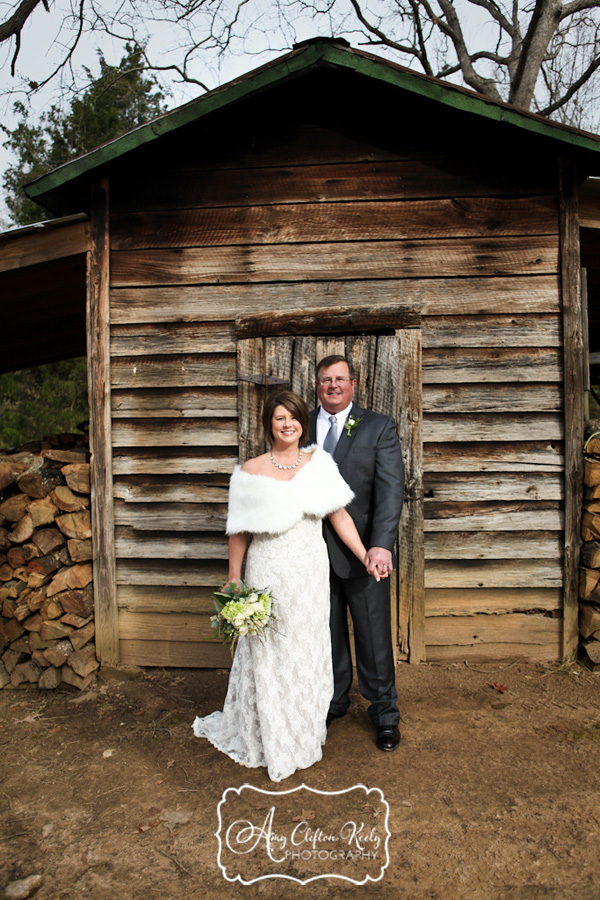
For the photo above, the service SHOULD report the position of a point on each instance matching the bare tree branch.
(385, 39)
(35, 86)
(496, 13)
(552, 107)
(420, 37)
(453, 29)
(538, 54)
(516, 64)
(13, 26)
(578, 6)
(542, 25)
(495, 58)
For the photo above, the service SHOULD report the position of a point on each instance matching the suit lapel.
(345, 441)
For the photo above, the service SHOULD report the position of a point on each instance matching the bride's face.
(285, 427)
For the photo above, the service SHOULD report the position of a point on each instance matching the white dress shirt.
(323, 423)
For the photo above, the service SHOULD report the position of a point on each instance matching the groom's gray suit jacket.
(370, 460)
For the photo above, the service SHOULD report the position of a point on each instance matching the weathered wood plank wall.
(98, 350)
(325, 221)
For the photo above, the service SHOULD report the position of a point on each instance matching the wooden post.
(587, 385)
(380, 389)
(411, 577)
(265, 345)
(103, 533)
(573, 354)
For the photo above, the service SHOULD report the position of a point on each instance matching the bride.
(280, 685)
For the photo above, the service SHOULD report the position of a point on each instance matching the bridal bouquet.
(242, 610)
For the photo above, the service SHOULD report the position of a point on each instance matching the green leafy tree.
(118, 99)
(41, 401)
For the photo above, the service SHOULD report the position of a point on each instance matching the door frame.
(404, 320)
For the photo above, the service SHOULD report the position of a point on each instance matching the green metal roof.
(304, 57)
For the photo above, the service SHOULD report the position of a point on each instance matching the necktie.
(331, 440)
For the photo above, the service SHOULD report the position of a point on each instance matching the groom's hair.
(294, 404)
(332, 360)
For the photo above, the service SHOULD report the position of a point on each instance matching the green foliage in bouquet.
(241, 610)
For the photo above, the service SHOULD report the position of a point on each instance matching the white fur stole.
(260, 504)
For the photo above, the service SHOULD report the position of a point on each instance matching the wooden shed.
(329, 201)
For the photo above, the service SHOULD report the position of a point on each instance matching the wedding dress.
(280, 685)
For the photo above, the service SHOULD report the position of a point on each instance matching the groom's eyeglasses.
(327, 381)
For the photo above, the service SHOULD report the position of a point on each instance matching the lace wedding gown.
(280, 686)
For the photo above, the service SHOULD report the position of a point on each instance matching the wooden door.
(388, 365)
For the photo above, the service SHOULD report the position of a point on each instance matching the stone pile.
(46, 598)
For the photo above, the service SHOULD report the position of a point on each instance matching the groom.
(365, 446)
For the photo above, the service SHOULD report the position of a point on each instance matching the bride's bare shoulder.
(255, 466)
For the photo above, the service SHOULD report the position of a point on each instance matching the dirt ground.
(494, 793)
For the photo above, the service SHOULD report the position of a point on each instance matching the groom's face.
(335, 389)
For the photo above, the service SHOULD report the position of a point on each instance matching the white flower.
(248, 612)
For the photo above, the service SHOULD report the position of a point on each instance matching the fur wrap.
(260, 504)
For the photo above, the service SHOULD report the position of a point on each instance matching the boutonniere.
(350, 424)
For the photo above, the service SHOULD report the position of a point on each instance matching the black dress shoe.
(332, 716)
(388, 737)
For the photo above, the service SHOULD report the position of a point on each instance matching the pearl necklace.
(297, 463)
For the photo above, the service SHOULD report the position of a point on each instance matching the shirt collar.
(340, 417)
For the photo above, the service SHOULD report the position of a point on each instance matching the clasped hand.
(379, 562)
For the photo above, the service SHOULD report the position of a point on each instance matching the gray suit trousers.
(369, 604)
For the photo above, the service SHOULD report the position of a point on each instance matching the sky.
(44, 39)
(45, 35)
(42, 45)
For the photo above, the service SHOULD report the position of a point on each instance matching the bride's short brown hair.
(294, 404)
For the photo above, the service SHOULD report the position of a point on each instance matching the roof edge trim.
(273, 72)
(464, 99)
(300, 60)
